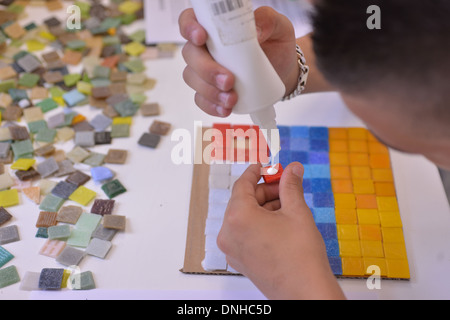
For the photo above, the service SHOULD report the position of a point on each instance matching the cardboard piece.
(198, 212)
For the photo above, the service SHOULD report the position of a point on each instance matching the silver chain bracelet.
(304, 71)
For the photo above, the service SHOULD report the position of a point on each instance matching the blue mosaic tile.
(324, 215)
(307, 174)
(306, 185)
(319, 171)
(300, 156)
(319, 145)
(309, 199)
(319, 158)
(285, 143)
(321, 185)
(318, 133)
(72, 98)
(336, 265)
(285, 158)
(323, 200)
(300, 132)
(285, 131)
(327, 230)
(299, 144)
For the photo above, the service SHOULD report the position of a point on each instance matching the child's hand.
(269, 235)
(213, 83)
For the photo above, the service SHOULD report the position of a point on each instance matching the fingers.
(291, 188)
(190, 29)
(266, 193)
(272, 25)
(208, 97)
(212, 83)
(246, 185)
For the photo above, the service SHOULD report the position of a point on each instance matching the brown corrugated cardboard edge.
(198, 212)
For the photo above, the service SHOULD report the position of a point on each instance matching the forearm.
(316, 81)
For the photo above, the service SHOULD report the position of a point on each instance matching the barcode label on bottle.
(225, 6)
(234, 20)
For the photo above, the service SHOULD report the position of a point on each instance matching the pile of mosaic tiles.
(100, 66)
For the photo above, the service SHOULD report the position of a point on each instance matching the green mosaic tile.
(42, 233)
(35, 126)
(51, 203)
(8, 276)
(83, 281)
(46, 135)
(76, 44)
(88, 222)
(134, 65)
(5, 256)
(101, 72)
(18, 94)
(59, 232)
(71, 79)
(113, 189)
(29, 80)
(47, 105)
(7, 84)
(126, 108)
(120, 131)
(21, 148)
(79, 238)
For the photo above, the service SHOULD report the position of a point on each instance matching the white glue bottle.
(233, 43)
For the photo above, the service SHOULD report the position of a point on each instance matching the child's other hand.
(212, 82)
(269, 235)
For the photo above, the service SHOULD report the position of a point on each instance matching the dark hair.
(411, 50)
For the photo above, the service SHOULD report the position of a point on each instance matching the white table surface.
(145, 260)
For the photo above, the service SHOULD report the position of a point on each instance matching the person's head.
(397, 78)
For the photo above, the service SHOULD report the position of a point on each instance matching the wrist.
(300, 72)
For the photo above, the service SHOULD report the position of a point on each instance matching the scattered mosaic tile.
(160, 128)
(69, 214)
(47, 167)
(58, 232)
(78, 154)
(83, 281)
(83, 195)
(79, 238)
(78, 178)
(64, 189)
(88, 222)
(51, 279)
(149, 140)
(42, 233)
(113, 189)
(150, 109)
(103, 207)
(8, 276)
(30, 281)
(116, 156)
(9, 198)
(51, 203)
(52, 248)
(5, 216)
(46, 219)
(5, 256)
(104, 233)
(114, 222)
(98, 248)
(101, 174)
(70, 256)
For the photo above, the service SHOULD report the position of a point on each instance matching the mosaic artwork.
(348, 185)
